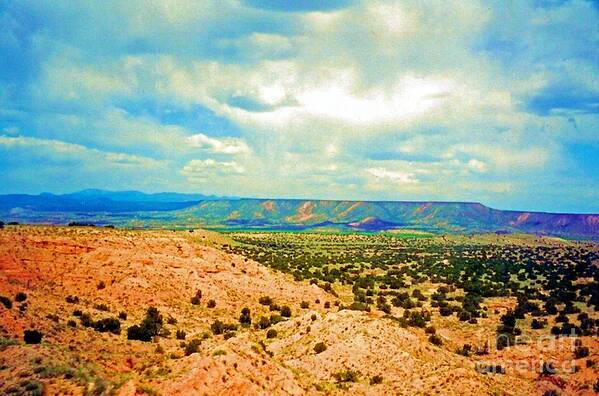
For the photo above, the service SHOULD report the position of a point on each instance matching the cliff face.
(376, 216)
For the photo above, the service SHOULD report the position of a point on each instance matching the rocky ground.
(112, 272)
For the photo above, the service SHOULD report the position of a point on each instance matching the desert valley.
(96, 310)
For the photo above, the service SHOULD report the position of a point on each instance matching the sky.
(494, 102)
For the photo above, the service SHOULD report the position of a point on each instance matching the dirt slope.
(128, 271)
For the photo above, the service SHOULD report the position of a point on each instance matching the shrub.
(245, 317)
(149, 327)
(320, 347)
(263, 322)
(180, 334)
(192, 346)
(171, 320)
(285, 311)
(101, 285)
(195, 300)
(86, 320)
(304, 305)
(123, 315)
(32, 337)
(483, 368)
(465, 350)
(271, 333)
(265, 300)
(211, 304)
(347, 376)
(20, 297)
(77, 313)
(430, 330)
(435, 340)
(6, 302)
(327, 305)
(112, 325)
(375, 380)
(71, 323)
(72, 299)
(538, 324)
(102, 307)
(581, 352)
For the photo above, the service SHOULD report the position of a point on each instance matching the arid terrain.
(63, 281)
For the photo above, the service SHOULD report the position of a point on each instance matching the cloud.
(223, 146)
(205, 170)
(393, 176)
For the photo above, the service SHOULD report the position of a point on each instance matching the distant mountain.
(101, 201)
(137, 209)
(450, 217)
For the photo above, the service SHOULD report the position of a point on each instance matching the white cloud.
(393, 176)
(204, 170)
(223, 146)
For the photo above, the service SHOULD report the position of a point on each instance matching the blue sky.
(496, 102)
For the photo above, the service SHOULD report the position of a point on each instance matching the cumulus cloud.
(224, 146)
(392, 176)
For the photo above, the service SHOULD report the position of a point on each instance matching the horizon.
(351, 100)
(224, 198)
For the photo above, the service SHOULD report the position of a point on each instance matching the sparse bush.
(197, 298)
(347, 376)
(20, 297)
(171, 320)
(285, 311)
(320, 347)
(86, 320)
(375, 380)
(102, 307)
(581, 352)
(7, 302)
(435, 340)
(245, 318)
(211, 304)
(263, 322)
(304, 305)
(192, 346)
(265, 300)
(101, 285)
(32, 337)
(271, 333)
(180, 334)
(71, 323)
(112, 325)
(465, 350)
(148, 328)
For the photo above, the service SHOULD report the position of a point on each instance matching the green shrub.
(263, 322)
(265, 300)
(245, 317)
(196, 299)
(192, 346)
(320, 347)
(435, 340)
(20, 297)
(149, 327)
(32, 337)
(7, 302)
(112, 325)
(347, 376)
(375, 380)
(285, 311)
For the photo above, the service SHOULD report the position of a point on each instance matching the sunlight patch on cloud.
(223, 146)
(393, 176)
